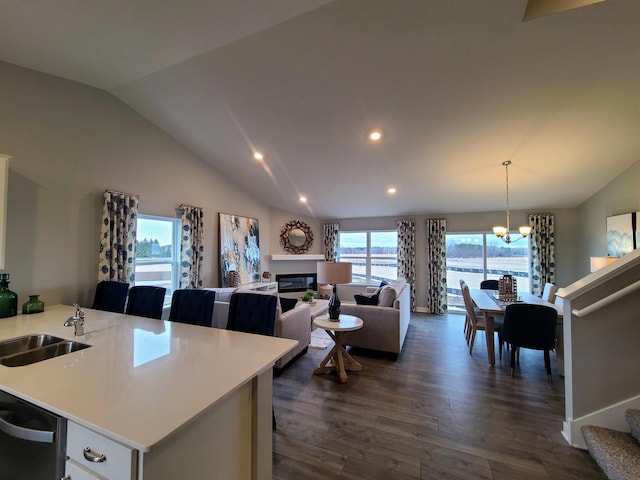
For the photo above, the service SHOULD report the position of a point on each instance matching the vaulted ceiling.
(457, 87)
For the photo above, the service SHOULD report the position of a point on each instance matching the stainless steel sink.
(26, 343)
(29, 349)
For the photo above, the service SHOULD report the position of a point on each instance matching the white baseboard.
(609, 417)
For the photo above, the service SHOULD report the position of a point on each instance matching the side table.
(338, 359)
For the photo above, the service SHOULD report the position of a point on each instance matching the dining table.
(491, 306)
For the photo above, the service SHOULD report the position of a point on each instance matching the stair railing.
(583, 312)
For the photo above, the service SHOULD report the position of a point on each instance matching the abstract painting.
(622, 234)
(239, 248)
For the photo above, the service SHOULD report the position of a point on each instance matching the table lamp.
(334, 273)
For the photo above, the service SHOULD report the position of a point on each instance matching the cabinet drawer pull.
(94, 457)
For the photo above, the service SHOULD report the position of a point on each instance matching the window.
(481, 256)
(374, 255)
(158, 253)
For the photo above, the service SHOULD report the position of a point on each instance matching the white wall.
(70, 142)
(621, 195)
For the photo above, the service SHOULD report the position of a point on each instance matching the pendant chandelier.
(503, 232)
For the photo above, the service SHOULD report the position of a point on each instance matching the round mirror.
(296, 237)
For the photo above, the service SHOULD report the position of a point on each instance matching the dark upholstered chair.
(146, 301)
(194, 307)
(489, 285)
(530, 326)
(253, 313)
(110, 296)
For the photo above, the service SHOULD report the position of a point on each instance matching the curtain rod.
(121, 193)
(182, 205)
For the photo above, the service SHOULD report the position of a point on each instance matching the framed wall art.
(239, 249)
(622, 234)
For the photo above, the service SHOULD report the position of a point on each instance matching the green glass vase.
(8, 299)
(33, 305)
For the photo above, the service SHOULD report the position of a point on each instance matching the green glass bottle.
(33, 305)
(8, 299)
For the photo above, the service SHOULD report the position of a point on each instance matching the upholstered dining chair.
(110, 296)
(489, 285)
(477, 323)
(530, 326)
(146, 301)
(192, 306)
(549, 292)
(253, 313)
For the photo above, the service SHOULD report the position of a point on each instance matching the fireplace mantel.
(308, 256)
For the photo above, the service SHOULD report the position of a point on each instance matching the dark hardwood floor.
(435, 413)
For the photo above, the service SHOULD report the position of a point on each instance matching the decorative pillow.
(386, 296)
(383, 283)
(287, 303)
(367, 299)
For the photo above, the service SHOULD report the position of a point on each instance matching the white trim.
(307, 256)
(4, 191)
(609, 417)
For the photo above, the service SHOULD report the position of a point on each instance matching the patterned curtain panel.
(542, 251)
(407, 255)
(331, 237)
(116, 260)
(436, 265)
(192, 246)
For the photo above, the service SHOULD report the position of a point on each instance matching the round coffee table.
(338, 359)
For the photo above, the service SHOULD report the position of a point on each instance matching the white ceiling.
(457, 86)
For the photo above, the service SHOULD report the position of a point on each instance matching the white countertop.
(142, 379)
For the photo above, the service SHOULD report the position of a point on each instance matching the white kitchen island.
(174, 400)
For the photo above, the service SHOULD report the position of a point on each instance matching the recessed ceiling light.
(257, 155)
(391, 190)
(303, 199)
(375, 135)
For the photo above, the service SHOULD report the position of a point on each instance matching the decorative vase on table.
(33, 305)
(8, 299)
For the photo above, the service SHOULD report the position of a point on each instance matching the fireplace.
(297, 282)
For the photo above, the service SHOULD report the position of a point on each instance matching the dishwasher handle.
(29, 434)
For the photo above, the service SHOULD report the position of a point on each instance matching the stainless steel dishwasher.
(32, 441)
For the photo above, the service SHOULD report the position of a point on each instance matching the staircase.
(617, 453)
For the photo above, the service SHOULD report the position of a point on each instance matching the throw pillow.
(387, 296)
(364, 299)
(383, 283)
(287, 304)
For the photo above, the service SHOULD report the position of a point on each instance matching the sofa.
(294, 324)
(385, 323)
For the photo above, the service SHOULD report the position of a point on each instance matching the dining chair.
(549, 292)
(110, 296)
(253, 313)
(146, 301)
(477, 323)
(467, 328)
(489, 284)
(192, 306)
(530, 326)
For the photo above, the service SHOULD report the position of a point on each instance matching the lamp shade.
(598, 262)
(334, 272)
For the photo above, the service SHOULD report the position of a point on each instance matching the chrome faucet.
(77, 321)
